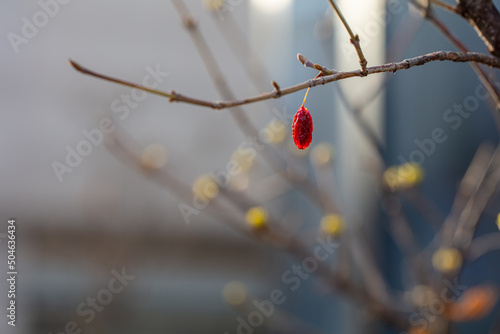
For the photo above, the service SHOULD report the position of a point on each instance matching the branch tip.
(76, 66)
(301, 58)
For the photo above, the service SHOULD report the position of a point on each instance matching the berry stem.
(307, 91)
(305, 97)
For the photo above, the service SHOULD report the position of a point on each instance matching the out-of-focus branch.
(483, 245)
(474, 209)
(125, 149)
(459, 57)
(317, 195)
(475, 192)
(472, 179)
(380, 308)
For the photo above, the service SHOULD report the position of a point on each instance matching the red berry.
(302, 128)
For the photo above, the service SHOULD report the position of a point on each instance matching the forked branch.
(354, 38)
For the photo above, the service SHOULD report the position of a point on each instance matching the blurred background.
(85, 224)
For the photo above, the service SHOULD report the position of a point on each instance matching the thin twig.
(482, 245)
(474, 209)
(473, 178)
(172, 96)
(445, 6)
(354, 38)
(459, 57)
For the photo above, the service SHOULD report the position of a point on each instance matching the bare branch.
(460, 57)
(172, 96)
(445, 6)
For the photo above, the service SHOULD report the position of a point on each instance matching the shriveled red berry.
(302, 128)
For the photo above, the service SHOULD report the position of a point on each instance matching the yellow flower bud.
(498, 221)
(205, 188)
(243, 158)
(447, 259)
(403, 177)
(256, 217)
(332, 224)
(391, 177)
(322, 154)
(276, 131)
(422, 295)
(234, 293)
(239, 183)
(213, 4)
(153, 157)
